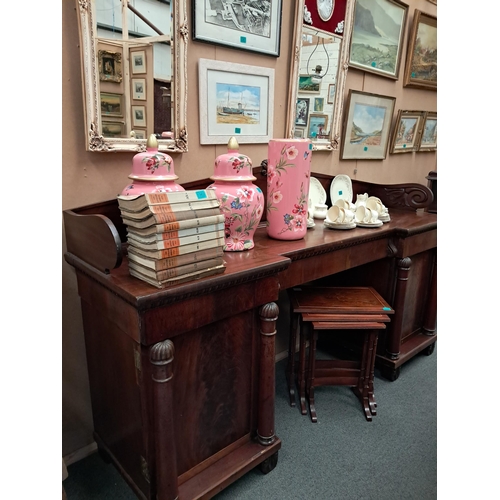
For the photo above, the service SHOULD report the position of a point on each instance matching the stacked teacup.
(370, 211)
(340, 215)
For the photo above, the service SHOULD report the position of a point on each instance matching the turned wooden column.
(393, 345)
(161, 358)
(429, 326)
(268, 314)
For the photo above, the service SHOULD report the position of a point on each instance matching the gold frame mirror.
(317, 81)
(119, 90)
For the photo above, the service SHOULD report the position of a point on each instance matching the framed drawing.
(138, 116)
(306, 85)
(235, 100)
(317, 126)
(139, 89)
(367, 123)
(298, 133)
(112, 129)
(407, 131)
(421, 56)
(138, 62)
(110, 66)
(318, 104)
(331, 93)
(302, 112)
(111, 104)
(377, 36)
(253, 26)
(140, 133)
(428, 139)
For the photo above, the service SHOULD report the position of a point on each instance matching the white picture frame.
(139, 89)
(138, 62)
(138, 116)
(235, 100)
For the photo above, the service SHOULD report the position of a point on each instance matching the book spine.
(188, 268)
(188, 223)
(179, 233)
(180, 260)
(179, 196)
(175, 242)
(181, 250)
(162, 218)
(181, 207)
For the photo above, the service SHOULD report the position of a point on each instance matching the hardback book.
(170, 209)
(178, 260)
(175, 242)
(203, 273)
(157, 229)
(178, 233)
(136, 203)
(164, 218)
(171, 272)
(180, 250)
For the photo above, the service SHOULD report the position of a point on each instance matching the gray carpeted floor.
(342, 456)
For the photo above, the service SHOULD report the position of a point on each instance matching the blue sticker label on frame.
(386, 308)
(404, 145)
(201, 194)
(365, 148)
(243, 39)
(374, 64)
(237, 130)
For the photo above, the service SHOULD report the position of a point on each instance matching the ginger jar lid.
(233, 166)
(152, 165)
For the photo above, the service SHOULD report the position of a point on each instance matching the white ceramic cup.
(374, 204)
(340, 215)
(342, 203)
(366, 215)
(320, 211)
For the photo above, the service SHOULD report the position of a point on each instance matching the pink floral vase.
(152, 172)
(241, 201)
(288, 171)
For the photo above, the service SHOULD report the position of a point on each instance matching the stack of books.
(173, 237)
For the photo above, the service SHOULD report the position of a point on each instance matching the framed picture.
(421, 56)
(140, 133)
(428, 139)
(138, 116)
(377, 36)
(367, 125)
(326, 15)
(298, 133)
(112, 129)
(317, 126)
(253, 26)
(306, 85)
(138, 62)
(407, 131)
(111, 104)
(235, 100)
(331, 93)
(302, 112)
(318, 104)
(139, 89)
(110, 66)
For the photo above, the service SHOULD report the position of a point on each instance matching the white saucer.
(384, 218)
(339, 225)
(371, 224)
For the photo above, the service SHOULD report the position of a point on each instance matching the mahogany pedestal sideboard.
(182, 379)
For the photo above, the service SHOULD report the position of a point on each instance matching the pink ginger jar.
(288, 172)
(152, 172)
(241, 201)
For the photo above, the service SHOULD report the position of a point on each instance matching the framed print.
(110, 66)
(421, 55)
(428, 139)
(302, 112)
(377, 36)
(318, 104)
(298, 133)
(138, 62)
(317, 126)
(326, 15)
(306, 85)
(138, 116)
(139, 89)
(111, 104)
(235, 100)
(331, 93)
(246, 25)
(406, 134)
(112, 129)
(140, 133)
(367, 124)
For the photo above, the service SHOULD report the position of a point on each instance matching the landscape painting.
(237, 104)
(306, 84)
(429, 133)
(421, 63)
(377, 36)
(407, 131)
(367, 125)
